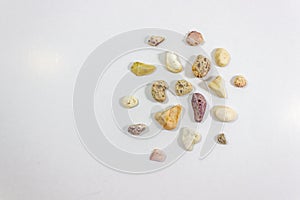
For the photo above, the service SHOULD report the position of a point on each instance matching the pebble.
(169, 118)
(183, 87)
(142, 69)
(199, 106)
(240, 81)
(225, 113)
(158, 90)
(172, 63)
(222, 57)
(129, 101)
(155, 40)
(189, 138)
(221, 139)
(217, 85)
(158, 155)
(201, 66)
(136, 129)
(194, 38)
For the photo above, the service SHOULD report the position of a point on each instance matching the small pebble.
(155, 40)
(221, 139)
(129, 101)
(194, 38)
(158, 155)
(240, 81)
(136, 129)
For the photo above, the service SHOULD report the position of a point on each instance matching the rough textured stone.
(183, 87)
(136, 129)
(201, 66)
(199, 106)
(158, 90)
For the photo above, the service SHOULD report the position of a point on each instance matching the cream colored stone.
(129, 101)
(217, 85)
(225, 113)
(222, 57)
(189, 138)
(172, 63)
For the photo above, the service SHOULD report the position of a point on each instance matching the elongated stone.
(136, 129)
(158, 155)
(199, 106)
(217, 85)
(172, 62)
(142, 69)
(225, 113)
(169, 118)
(189, 138)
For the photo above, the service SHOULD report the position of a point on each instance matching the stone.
(158, 90)
(129, 101)
(217, 85)
(201, 66)
(155, 40)
(199, 106)
(222, 57)
(158, 155)
(189, 138)
(172, 63)
(183, 87)
(136, 129)
(225, 113)
(142, 69)
(194, 38)
(240, 81)
(221, 139)
(169, 118)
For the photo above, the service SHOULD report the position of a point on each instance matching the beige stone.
(201, 66)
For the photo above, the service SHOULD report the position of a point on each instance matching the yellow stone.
(142, 69)
(169, 118)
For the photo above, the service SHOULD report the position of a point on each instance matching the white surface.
(43, 45)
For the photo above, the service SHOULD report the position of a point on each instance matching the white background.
(43, 45)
